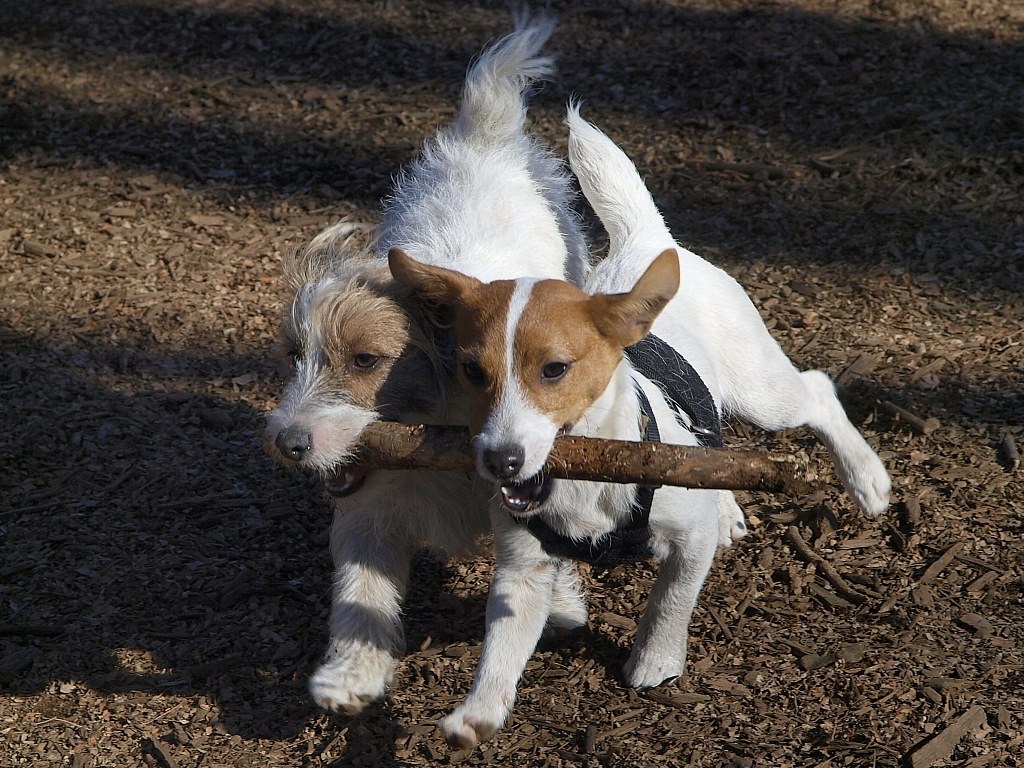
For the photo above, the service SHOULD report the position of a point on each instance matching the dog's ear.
(625, 318)
(430, 283)
(436, 288)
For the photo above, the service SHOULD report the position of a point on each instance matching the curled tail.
(493, 106)
(612, 186)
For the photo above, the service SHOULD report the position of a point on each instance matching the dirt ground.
(857, 165)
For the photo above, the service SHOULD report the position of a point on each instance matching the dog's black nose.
(294, 443)
(505, 460)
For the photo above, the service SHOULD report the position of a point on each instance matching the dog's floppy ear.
(436, 288)
(430, 283)
(625, 318)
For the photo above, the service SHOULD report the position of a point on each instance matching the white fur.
(712, 323)
(374, 535)
(514, 420)
(485, 199)
(335, 422)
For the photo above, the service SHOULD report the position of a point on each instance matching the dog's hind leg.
(859, 467)
(767, 390)
(568, 607)
(366, 638)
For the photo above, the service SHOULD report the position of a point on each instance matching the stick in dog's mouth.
(523, 498)
(346, 479)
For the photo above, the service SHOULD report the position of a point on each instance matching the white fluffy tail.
(493, 99)
(612, 185)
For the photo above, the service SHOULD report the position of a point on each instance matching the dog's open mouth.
(528, 496)
(347, 479)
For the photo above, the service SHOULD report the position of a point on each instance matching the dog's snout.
(505, 461)
(294, 443)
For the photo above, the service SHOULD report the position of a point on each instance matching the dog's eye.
(554, 371)
(286, 355)
(289, 347)
(474, 373)
(365, 361)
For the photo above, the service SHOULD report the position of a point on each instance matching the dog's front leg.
(659, 650)
(517, 608)
(371, 568)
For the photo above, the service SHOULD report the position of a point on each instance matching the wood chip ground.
(857, 166)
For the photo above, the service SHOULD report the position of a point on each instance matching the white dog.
(483, 198)
(539, 358)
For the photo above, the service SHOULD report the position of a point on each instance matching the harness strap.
(626, 544)
(687, 393)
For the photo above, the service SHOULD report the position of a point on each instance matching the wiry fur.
(344, 303)
(462, 203)
(485, 198)
(712, 323)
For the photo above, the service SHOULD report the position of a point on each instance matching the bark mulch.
(858, 166)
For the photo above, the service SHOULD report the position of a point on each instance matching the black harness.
(687, 393)
(684, 389)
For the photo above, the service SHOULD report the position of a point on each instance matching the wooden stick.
(932, 571)
(803, 549)
(940, 746)
(915, 422)
(400, 446)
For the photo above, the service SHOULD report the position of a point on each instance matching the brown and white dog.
(539, 358)
(483, 198)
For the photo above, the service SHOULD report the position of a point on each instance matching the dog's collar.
(685, 391)
(626, 544)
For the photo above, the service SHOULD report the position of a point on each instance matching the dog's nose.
(294, 443)
(505, 460)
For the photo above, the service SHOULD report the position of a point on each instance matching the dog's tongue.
(347, 479)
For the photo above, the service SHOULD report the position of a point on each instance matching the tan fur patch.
(368, 317)
(557, 326)
(356, 322)
(479, 328)
(560, 324)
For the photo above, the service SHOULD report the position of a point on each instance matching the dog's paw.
(347, 682)
(651, 670)
(470, 724)
(868, 483)
(738, 529)
(874, 490)
(732, 524)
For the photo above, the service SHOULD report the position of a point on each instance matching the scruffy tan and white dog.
(483, 198)
(539, 358)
